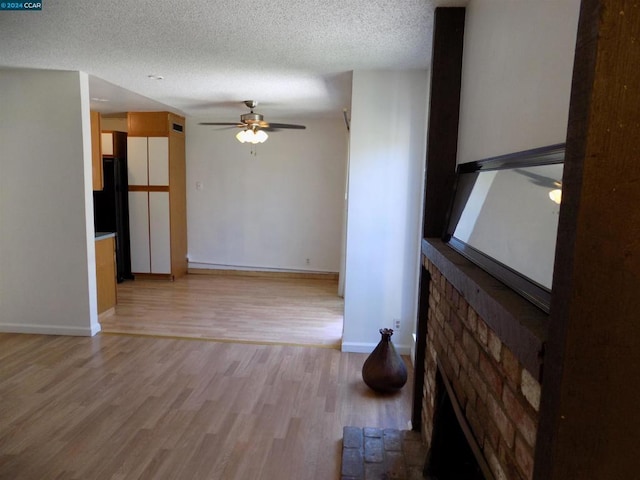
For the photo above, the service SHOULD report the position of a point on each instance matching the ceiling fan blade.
(286, 125)
(226, 127)
(218, 123)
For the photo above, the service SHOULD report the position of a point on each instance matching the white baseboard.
(307, 274)
(356, 347)
(192, 265)
(49, 329)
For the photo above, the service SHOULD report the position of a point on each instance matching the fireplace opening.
(454, 453)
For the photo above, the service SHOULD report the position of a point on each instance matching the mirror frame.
(529, 289)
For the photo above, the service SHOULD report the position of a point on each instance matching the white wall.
(386, 177)
(516, 75)
(271, 210)
(47, 255)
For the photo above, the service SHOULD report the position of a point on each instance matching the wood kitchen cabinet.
(113, 143)
(106, 141)
(106, 273)
(96, 151)
(157, 193)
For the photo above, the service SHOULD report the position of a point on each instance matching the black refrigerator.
(111, 205)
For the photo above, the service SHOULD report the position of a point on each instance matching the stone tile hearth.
(382, 454)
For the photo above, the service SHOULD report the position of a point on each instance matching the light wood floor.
(290, 311)
(134, 407)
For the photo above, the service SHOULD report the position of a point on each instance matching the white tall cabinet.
(157, 191)
(139, 232)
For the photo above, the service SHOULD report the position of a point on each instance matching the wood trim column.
(444, 112)
(442, 149)
(589, 419)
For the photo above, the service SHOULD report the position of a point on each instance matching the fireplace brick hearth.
(498, 397)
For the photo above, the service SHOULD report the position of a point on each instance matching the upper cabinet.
(96, 151)
(148, 160)
(107, 143)
(154, 124)
(114, 143)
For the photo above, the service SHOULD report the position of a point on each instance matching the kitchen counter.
(103, 235)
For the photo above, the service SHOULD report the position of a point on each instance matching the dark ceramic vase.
(384, 370)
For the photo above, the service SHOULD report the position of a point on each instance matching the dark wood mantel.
(520, 325)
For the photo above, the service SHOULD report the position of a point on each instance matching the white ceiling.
(294, 57)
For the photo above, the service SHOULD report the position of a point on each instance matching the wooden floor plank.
(123, 407)
(295, 311)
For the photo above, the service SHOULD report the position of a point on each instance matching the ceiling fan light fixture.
(261, 136)
(251, 136)
(241, 136)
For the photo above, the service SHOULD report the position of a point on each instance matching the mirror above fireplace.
(504, 218)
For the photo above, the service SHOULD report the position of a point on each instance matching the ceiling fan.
(253, 125)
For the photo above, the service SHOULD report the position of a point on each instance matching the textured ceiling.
(294, 56)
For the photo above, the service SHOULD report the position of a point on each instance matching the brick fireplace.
(589, 344)
(490, 359)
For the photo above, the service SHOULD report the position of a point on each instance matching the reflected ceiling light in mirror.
(556, 195)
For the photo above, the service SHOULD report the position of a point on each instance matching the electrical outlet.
(308, 261)
(396, 324)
